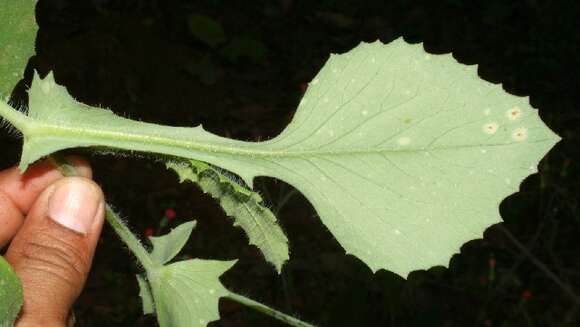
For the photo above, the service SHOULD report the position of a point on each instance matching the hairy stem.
(14, 117)
(129, 238)
(112, 218)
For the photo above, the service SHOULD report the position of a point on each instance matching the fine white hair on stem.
(7, 126)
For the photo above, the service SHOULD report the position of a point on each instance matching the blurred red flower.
(170, 213)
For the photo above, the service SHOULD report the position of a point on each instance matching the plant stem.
(112, 218)
(13, 116)
(267, 310)
(144, 258)
(129, 238)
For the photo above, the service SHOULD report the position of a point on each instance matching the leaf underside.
(183, 293)
(404, 155)
(244, 205)
(186, 293)
(166, 247)
(147, 301)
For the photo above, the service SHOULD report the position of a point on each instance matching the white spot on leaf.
(490, 128)
(487, 112)
(403, 140)
(364, 112)
(520, 134)
(514, 113)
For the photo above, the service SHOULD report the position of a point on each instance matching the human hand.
(53, 224)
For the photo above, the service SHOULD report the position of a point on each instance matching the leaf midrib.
(39, 129)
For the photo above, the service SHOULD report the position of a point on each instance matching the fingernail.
(74, 204)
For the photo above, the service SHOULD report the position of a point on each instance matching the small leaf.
(187, 293)
(244, 205)
(166, 247)
(10, 294)
(246, 47)
(17, 35)
(145, 294)
(207, 30)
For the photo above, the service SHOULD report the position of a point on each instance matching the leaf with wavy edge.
(242, 204)
(404, 155)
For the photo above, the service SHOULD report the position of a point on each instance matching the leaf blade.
(17, 36)
(187, 293)
(145, 294)
(243, 205)
(166, 247)
(429, 143)
(11, 296)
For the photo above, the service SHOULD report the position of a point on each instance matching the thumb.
(53, 250)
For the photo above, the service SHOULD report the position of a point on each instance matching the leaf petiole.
(267, 310)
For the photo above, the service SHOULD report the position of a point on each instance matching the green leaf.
(166, 247)
(404, 155)
(145, 295)
(247, 47)
(187, 293)
(244, 205)
(11, 298)
(17, 35)
(207, 30)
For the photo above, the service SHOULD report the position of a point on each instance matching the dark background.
(159, 61)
